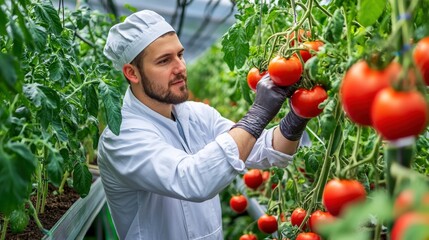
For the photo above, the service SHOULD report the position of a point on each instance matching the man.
(163, 172)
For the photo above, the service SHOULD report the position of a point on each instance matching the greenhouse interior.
(214, 119)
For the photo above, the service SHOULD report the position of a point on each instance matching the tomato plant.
(298, 216)
(238, 203)
(285, 71)
(253, 77)
(360, 85)
(366, 50)
(398, 114)
(267, 224)
(308, 236)
(57, 92)
(253, 178)
(339, 193)
(421, 58)
(305, 103)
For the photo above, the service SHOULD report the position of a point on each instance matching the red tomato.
(253, 77)
(318, 218)
(399, 114)
(421, 58)
(305, 103)
(311, 46)
(249, 236)
(359, 87)
(238, 203)
(405, 201)
(253, 178)
(298, 216)
(267, 224)
(308, 236)
(285, 72)
(407, 222)
(338, 194)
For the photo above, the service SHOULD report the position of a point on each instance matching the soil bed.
(56, 206)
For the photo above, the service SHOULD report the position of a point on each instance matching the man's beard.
(165, 95)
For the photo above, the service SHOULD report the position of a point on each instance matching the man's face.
(163, 70)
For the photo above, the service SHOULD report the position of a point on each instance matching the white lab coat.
(161, 186)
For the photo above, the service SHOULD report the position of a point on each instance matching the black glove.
(268, 101)
(292, 126)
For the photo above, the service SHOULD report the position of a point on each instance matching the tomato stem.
(400, 152)
(35, 217)
(63, 181)
(4, 228)
(295, 185)
(324, 173)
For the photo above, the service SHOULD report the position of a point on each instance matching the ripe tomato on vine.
(253, 77)
(338, 194)
(421, 58)
(360, 85)
(399, 114)
(285, 71)
(305, 103)
(238, 203)
(253, 178)
(267, 224)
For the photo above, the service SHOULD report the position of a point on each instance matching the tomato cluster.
(369, 97)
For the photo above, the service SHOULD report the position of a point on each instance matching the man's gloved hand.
(268, 101)
(292, 126)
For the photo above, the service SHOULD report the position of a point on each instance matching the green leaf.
(82, 17)
(17, 164)
(245, 90)
(3, 21)
(59, 131)
(18, 39)
(28, 38)
(311, 163)
(369, 11)
(334, 29)
(45, 116)
(56, 69)
(39, 35)
(40, 95)
(48, 16)
(91, 100)
(55, 167)
(112, 106)
(235, 47)
(82, 179)
(8, 74)
(250, 25)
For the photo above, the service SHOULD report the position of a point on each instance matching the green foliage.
(57, 89)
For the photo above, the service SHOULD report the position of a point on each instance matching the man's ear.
(131, 73)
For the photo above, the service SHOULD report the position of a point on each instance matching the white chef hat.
(127, 39)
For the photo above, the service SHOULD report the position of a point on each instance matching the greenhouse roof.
(202, 24)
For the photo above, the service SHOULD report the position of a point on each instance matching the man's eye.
(163, 61)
